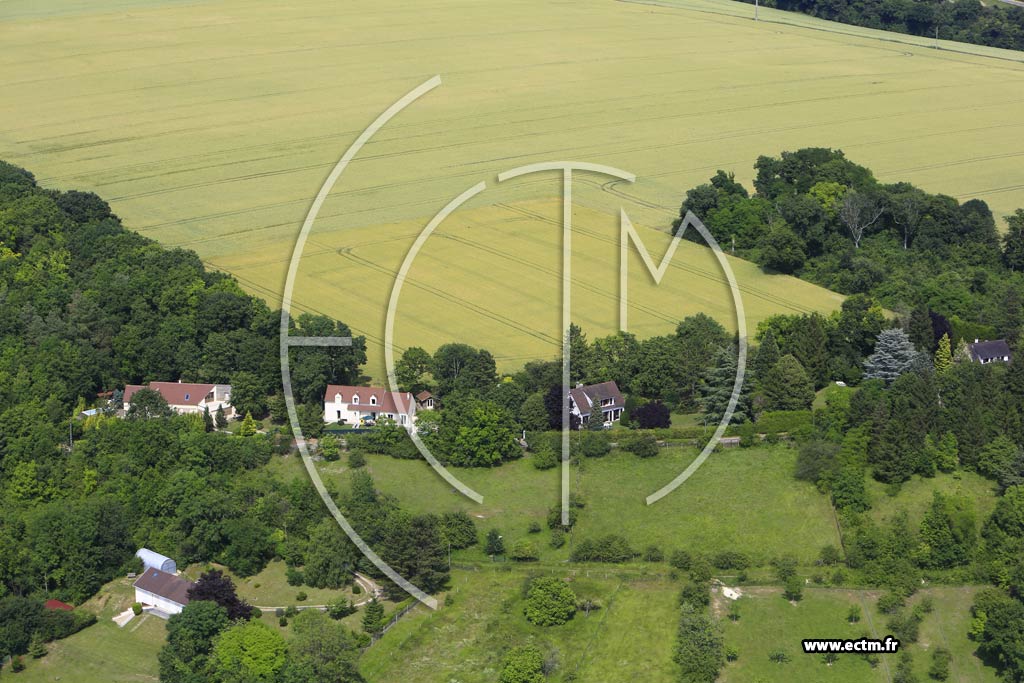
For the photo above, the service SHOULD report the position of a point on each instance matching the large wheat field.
(212, 125)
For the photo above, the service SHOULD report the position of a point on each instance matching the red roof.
(57, 604)
(175, 393)
(395, 402)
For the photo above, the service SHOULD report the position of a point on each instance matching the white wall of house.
(154, 600)
(348, 412)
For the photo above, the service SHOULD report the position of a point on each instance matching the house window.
(373, 400)
(402, 420)
(337, 398)
(339, 414)
(186, 396)
(355, 399)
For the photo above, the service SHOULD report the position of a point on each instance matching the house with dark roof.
(362, 405)
(162, 594)
(184, 397)
(585, 401)
(426, 400)
(984, 352)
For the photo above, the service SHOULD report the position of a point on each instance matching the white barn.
(154, 560)
(161, 594)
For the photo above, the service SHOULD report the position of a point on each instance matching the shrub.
(829, 555)
(794, 588)
(653, 553)
(137, 608)
(534, 527)
(291, 611)
(731, 559)
(294, 577)
(680, 559)
(282, 621)
(694, 594)
(734, 610)
(594, 444)
(611, 548)
(549, 602)
(522, 665)
(301, 596)
(17, 664)
(341, 608)
(523, 550)
(890, 603)
(545, 458)
(356, 589)
(941, 658)
(459, 529)
(853, 616)
(778, 656)
(356, 459)
(641, 444)
(652, 416)
(731, 653)
(557, 538)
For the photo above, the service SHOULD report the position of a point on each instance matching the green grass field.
(768, 622)
(740, 499)
(213, 125)
(466, 641)
(103, 653)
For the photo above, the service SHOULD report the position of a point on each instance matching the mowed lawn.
(629, 638)
(103, 653)
(213, 125)
(740, 499)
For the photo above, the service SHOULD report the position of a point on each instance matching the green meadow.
(212, 126)
(740, 499)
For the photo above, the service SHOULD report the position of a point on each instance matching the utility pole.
(757, 6)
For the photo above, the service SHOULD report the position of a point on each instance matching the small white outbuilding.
(154, 560)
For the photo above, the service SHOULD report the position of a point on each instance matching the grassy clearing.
(212, 126)
(466, 641)
(104, 653)
(768, 622)
(740, 499)
(915, 496)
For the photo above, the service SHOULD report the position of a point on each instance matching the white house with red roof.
(358, 405)
(185, 397)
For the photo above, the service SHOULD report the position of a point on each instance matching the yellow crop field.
(212, 125)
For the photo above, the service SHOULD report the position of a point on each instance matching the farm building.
(161, 594)
(585, 400)
(359, 405)
(984, 352)
(154, 560)
(426, 400)
(183, 397)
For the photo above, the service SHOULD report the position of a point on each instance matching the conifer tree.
(943, 356)
(219, 418)
(248, 426)
(373, 617)
(787, 386)
(894, 354)
(207, 419)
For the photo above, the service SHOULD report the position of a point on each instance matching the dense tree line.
(826, 219)
(87, 306)
(966, 21)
